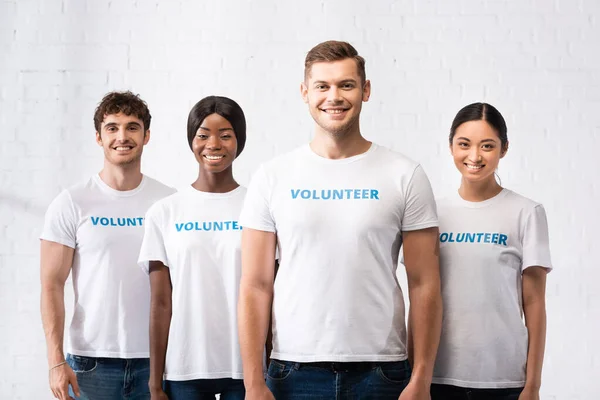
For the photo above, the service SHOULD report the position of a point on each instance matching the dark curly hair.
(122, 102)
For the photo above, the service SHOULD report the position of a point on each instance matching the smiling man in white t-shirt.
(339, 210)
(95, 229)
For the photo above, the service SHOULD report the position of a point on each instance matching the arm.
(421, 258)
(160, 322)
(269, 343)
(56, 261)
(254, 307)
(534, 307)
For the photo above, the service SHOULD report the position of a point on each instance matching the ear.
(366, 90)
(146, 137)
(504, 151)
(304, 92)
(98, 139)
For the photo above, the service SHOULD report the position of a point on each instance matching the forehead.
(215, 121)
(334, 71)
(478, 130)
(121, 119)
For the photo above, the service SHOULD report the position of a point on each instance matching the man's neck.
(122, 178)
(339, 146)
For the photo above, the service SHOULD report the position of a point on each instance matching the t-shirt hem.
(108, 354)
(337, 357)
(204, 375)
(59, 240)
(478, 385)
(258, 227)
(543, 264)
(423, 225)
(144, 263)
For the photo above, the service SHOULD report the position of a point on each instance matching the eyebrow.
(111, 124)
(220, 129)
(484, 140)
(339, 83)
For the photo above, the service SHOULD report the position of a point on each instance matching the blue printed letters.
(481, 237)
(335, 194)
(111, 221)
(208, 226)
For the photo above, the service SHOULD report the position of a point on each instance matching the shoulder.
(77, 193)
(286, 160)
(519, 201)
(400, 164)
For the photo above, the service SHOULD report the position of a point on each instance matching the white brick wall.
(536, 60)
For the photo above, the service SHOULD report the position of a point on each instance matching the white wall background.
(538, 61)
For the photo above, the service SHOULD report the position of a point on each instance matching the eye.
(321, 87)
(134, 128)
(226, 136)
(348, 86)
(489, 146)
(202, 136)
(463, 145)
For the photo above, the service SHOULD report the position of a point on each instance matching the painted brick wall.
(538, 61)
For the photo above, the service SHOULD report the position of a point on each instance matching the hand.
(60, 378)
(415, 391)
(259, 392)
(158, 394)
(530, 394)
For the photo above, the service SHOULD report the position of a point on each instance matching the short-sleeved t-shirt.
(484, 248)
(339, 228)
(197, 235)
(112, 294)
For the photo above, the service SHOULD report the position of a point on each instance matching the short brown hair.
(122, 102)
(333, 50)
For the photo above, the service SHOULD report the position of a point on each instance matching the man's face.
(334, 94)
(123, 138)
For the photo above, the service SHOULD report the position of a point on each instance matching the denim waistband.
(339, 366)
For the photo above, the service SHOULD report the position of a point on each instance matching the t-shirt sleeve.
(153, 244)
(536, 243)
(60, 221)
(420, 210)
(256, 212)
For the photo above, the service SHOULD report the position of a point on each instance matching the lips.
(211, 157)
(474, 167)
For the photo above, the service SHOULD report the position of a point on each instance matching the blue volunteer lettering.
(111, 221)
(208, 226)
(335, 194)
(481, 237)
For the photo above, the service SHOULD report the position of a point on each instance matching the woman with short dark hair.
(192, 244)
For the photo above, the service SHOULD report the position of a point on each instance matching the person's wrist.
(532, 386)
(254, 384)
(155, 386)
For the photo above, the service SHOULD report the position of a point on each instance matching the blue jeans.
(110, 378)
(334, 380)
(203, 389)
(449, 392)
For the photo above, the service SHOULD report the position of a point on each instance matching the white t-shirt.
(484, 248)
(339, 225)
(197, 235)
(112, 295)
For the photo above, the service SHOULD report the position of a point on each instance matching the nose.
(334, 95)
(120, 135)
(213, 142)
(474, 154)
